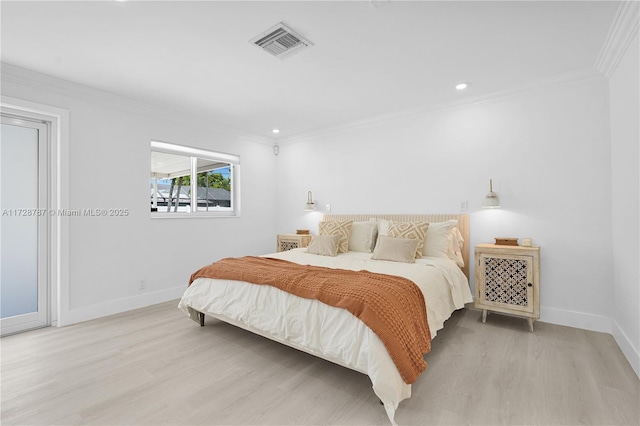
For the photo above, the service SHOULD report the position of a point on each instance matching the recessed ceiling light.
(275, 131)
(462, 85)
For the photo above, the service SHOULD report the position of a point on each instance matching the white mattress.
(333, 333)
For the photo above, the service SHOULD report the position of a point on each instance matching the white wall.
(109, 168)
(625, 163)
(547, 150)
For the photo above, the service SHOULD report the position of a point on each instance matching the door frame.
(58, 190)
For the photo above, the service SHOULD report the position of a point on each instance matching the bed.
(440, 272)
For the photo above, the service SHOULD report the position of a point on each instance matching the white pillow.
(324, 245)
(363, 236)
(455, 247)
(438, 238)
(444, 240)
(383, 226)
(396, 249)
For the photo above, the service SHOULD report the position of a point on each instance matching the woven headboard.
(463, 225)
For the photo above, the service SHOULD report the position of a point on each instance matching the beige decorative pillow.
(396, 249)
(363, 236)
(411, 230)
(342, 228)
(324, 245)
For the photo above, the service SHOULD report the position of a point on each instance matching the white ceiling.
(368, 59)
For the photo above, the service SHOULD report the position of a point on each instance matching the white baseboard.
(576, 319)
(121, 305)
(628, 349)
(595, 323)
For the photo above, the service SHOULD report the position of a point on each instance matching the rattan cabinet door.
(507, 282)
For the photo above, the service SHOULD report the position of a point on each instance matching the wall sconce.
(491, 200)
(310, 206)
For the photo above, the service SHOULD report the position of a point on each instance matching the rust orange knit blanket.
(393, 307)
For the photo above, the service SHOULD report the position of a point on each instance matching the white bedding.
(333, 333)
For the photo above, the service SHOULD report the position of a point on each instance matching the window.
(191, 182)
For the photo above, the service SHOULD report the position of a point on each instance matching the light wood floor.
(154, 366)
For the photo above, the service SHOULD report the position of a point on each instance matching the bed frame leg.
(201, 318)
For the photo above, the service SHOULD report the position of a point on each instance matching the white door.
(24, 288)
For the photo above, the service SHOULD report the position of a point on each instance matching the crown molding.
(527, 89)
(50, 84)
(621, 33)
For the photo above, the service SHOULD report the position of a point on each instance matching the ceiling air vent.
(280, 41)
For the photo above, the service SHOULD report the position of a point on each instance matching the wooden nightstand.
(291, 241)
(508, 280)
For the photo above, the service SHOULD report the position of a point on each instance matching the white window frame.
(195, 154)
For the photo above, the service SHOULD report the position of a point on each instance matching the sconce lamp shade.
(310, 206)
(491, 200)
